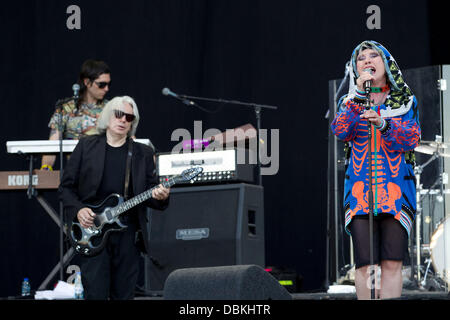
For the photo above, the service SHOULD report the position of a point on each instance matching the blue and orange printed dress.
(393, 179)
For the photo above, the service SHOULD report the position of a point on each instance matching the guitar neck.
(131, 203)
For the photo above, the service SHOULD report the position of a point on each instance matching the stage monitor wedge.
(243, 282)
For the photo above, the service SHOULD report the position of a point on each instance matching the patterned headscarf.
(400, 99)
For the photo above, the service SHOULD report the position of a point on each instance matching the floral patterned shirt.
(77, 122)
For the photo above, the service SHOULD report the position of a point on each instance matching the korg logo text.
(21, 180)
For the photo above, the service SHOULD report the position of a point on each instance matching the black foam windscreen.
(240, 282)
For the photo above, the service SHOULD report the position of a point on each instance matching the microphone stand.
(58, 106)
(257, 108)
(370, 195)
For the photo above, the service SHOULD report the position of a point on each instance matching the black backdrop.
(272, 52)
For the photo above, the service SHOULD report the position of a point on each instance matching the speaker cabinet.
(205, 226)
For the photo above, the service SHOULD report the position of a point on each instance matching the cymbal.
(431, 147)
(435, 144)
(425, 149)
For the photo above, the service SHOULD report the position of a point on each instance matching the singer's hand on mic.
(372, 116)
(364, 76)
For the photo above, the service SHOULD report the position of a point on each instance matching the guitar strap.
(138, 237)
(128, 168)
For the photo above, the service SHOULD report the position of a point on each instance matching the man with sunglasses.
(98, 167)
(79, 117)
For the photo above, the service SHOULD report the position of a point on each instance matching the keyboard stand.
(32, 192)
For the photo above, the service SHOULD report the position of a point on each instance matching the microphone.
(167, 92)
(368, 83)
(76, 90)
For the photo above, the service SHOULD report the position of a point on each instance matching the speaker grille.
(206, 226)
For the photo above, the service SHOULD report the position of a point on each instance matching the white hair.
(116, 104)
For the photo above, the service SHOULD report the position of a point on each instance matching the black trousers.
(114, 272)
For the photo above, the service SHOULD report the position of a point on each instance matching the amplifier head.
(218, 166)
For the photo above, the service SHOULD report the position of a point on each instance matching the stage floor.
(406, 295)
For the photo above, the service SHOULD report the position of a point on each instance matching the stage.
(283, 208)
(413, 295)
(406, 295)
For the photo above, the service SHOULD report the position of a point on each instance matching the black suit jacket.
(83, 174)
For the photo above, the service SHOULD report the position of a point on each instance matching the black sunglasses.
(103, 84)
(119, 115)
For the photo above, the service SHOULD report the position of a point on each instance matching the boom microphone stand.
(369, 135)
(257, 108)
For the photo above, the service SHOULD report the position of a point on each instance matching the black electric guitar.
(91, 241)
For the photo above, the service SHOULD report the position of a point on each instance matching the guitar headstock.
(189, 174)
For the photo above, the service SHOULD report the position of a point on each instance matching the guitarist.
(97, 168)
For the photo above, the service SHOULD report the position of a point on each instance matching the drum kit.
(432, 249)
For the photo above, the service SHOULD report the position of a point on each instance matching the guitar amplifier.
(205, 226)
(222, 166)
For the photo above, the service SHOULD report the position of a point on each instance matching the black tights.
(390, 240)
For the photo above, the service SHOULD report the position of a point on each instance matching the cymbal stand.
(424, 281)
(440, 150)
(417, 172)
(418, 225)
